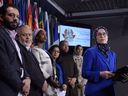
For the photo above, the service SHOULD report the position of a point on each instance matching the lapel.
(32, 57)
(6, 35)
(9, 40)
(104, 59)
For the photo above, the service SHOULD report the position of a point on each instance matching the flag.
(51, 24)
(40, 19)
(16, 2)
(56, 37)
(46, 27)
(56, 34)
(22, 13)
(40, 22)
(29, 15)
(35, 15)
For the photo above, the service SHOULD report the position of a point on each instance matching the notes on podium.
(121, 74)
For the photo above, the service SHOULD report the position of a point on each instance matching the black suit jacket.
(10, 66)
(32, 66)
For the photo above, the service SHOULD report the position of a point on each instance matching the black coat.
(10, 66)
(70, 71)
(32, 67)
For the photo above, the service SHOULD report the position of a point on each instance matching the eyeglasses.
(100, 34)
(56, 51)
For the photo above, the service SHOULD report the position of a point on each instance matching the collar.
(12, 33)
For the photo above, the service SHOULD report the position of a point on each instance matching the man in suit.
(38, 83)
(13, 77)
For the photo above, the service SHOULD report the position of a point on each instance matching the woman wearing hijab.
(78, 59)
(99, 63)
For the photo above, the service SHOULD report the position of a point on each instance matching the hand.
(64, 87)
(26, 86)
(45, 86)
(53, 83)
(125, 76)
(80, 85)
(72, 81)
(106, 74)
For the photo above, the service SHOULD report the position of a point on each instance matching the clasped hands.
(26, 86)
(72, 81)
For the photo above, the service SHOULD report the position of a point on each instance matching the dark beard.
(10, 25)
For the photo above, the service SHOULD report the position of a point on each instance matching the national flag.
(35, 22)
(46, 27)
(51, 24)
(22, 12)
(29, 15)
(16, 2)
(56, 37)
(40, 19)
(40, 22)
(56, 34)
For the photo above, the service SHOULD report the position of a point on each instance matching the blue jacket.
(59, 73)
(94, 62)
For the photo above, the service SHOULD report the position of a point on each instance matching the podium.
(121, 74)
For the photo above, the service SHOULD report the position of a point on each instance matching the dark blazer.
(69, 71)
(32, 67)
(68, 66)
(10, 66)
(94, 62)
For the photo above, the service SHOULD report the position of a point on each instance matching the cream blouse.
(44, 60)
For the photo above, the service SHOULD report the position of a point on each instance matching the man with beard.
(14, 80)
(69, 68)
(38, 82)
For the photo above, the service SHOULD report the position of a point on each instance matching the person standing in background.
(99, 63)
(54, 50)
(14, 79)
(38, 82)
(78, 58)
(44, 60)
(69, 69)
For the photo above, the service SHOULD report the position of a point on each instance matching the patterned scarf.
(104, 48)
